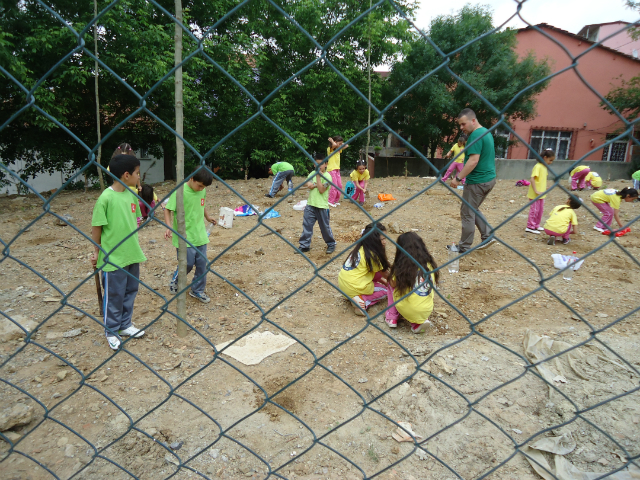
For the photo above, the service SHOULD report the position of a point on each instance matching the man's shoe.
(531, 230)
(330, 250)
(200, 296)
(114, 342)
(304, 250)
(131, 332)
(488, 243)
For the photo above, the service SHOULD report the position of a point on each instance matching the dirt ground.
(350, 376)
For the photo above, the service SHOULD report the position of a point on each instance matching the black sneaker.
(487, 244)
(551, 241)
(267, 195)
(303, 250)
(330, 250)
(565, 241)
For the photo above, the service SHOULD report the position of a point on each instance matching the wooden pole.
(95, 79)
(181, 328)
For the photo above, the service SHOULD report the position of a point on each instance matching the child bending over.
(608, 202)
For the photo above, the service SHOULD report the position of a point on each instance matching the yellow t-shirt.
(608, 195)
(357, 177)
(355, 279)
(417, 307)
(455, 150)
(540, 173)
(594, 178)
(559, 219)
(577, 169)
(334, 160)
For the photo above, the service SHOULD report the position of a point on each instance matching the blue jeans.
(195, 256)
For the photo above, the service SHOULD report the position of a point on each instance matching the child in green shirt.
(317, 209)
(117, 251)
(636, 180)
(282, 171)
(196, 234)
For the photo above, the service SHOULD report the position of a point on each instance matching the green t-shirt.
(281, 167)
(193, 216)
(117, 213)
(317, 199)
(636, 175)
(485, 170)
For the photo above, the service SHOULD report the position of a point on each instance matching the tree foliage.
(490, 65)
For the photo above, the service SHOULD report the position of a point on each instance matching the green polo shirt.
(485, 170)
(317, 199)
(193, 216)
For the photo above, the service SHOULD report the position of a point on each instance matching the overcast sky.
(569, 15)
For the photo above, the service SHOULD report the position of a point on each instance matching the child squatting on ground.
(195, 212)
(563, 221)
(333, 167)
(317, 209)
(282, 171)
(608, 202)
(363, 277)
(114, 221)
(536, 187)
(593, 180)
(360, 178)
(407, 278)
(579, 177)
(458, 164)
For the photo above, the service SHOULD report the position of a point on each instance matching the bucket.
(226, 217)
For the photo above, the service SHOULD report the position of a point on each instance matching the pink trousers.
(579, 177)
(334, 193)
(454, 166)
(379, 292)
(564, 235)
(359, 195)
(607, 215)
(535, 214)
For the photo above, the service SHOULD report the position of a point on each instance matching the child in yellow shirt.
(594, 180)
(360, 177)
(458, 163)
(608, 202)
(333, 167)
(578, 175)
(537, 186)
(563, 221)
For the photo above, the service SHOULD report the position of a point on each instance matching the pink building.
(569, 117)
(619, 40)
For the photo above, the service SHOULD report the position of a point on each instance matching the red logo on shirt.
(133, 207)
(202, 202)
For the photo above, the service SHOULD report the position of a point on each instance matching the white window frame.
(606, 150)
(551, 134)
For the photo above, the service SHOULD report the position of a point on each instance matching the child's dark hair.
(146, 194)
(121, 164)
(122, 149)
(548, 153)
(361, 163)
(203, 176)
(373, 248)
(405, 270)
(318, 156)
(462, 138)
(574, 203)
(337, 138)
(627, 192)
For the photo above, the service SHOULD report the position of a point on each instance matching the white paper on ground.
(256, 346)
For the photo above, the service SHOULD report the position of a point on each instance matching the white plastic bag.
(561, 261)
(301, 205)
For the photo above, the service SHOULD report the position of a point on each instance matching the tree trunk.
(182, 328)
(95, 77)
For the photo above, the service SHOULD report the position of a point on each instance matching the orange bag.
(385, 197)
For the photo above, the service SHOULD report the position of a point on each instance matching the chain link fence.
(479, 402)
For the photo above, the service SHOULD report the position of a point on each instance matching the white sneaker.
(531, 230)
(541, 229)
(598, 229)
(131, 332)
(334, 205)
(114, 342)
(359, 306)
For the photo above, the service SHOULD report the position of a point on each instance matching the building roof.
(581, 39)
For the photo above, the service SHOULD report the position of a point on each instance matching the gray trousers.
(279, 178)
(311, 216)
(195, 256)
(475, 195)
(120, 292)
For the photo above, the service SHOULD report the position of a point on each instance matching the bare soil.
(474, 397)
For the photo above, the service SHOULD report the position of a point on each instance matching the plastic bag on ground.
(301, 205)
(561, 261)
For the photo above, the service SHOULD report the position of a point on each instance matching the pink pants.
(334, 193)
(379, 292)
(607, 215)
(579, 177)
(392, 313)
(535, 214)
(454, 166)
(564, 235)
(359, 195)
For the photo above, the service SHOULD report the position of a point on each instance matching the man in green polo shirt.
(282, 171)
(480, 172)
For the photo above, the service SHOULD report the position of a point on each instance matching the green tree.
(491, 66)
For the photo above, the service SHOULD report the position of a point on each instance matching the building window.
(616, 151)
(501, 140)
(555, 140)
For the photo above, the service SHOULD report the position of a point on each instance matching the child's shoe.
(330, 250)
(421, 327)
(131, 332)
(114, 342)
(598, 229)
(359, 306)
(565, 241)
(541, 229)
(551, 241)
(393, 323)
(173, 288)
(532, 230)
(333, 204)
(200, 296)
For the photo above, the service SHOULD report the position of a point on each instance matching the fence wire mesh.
(479, 404)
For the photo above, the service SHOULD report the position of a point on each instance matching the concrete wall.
(505, 169)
